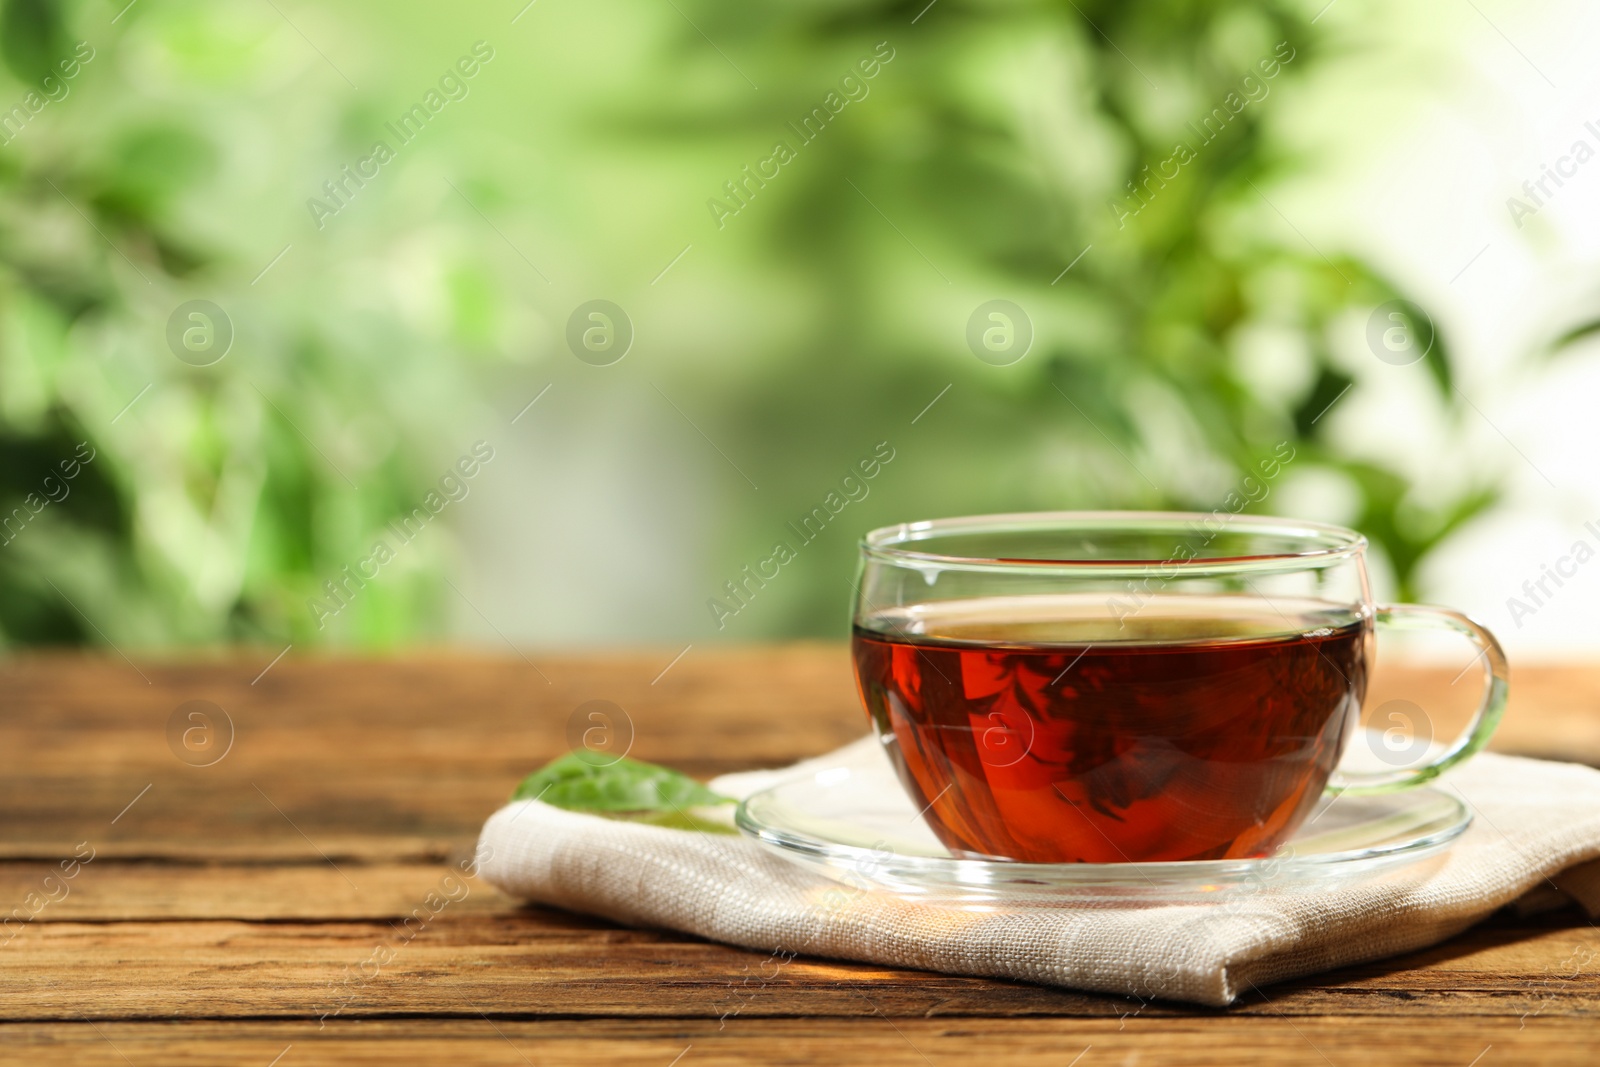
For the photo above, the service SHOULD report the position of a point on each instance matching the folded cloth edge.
(651, 876)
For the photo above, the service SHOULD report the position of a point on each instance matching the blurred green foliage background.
(373, 345)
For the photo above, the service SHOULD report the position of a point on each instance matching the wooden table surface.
(216, 913)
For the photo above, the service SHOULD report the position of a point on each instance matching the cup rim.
(1328, 543)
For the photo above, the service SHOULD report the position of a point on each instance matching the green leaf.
(32, 38)
(1330, 386)
(1573, 336)
(579, 783)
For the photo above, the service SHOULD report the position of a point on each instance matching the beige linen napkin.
(1535, 823)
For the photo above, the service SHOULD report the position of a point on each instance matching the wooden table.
(227, 907)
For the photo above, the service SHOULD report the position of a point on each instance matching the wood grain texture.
(233, 910)
(372, 760)
(537, 962)
(1221, 1041)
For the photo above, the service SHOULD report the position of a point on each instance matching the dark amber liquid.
(1037, 729)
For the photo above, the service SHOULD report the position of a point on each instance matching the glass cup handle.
(1495, 682)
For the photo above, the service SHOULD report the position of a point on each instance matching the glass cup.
(1112, 687)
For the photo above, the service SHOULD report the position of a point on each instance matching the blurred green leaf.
(33, 38)
(627, 785)
(998, 154)
(151, 167)
(1570, 338)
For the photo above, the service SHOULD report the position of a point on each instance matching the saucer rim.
(970, 873)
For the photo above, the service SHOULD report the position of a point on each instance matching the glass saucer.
(856, 825)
